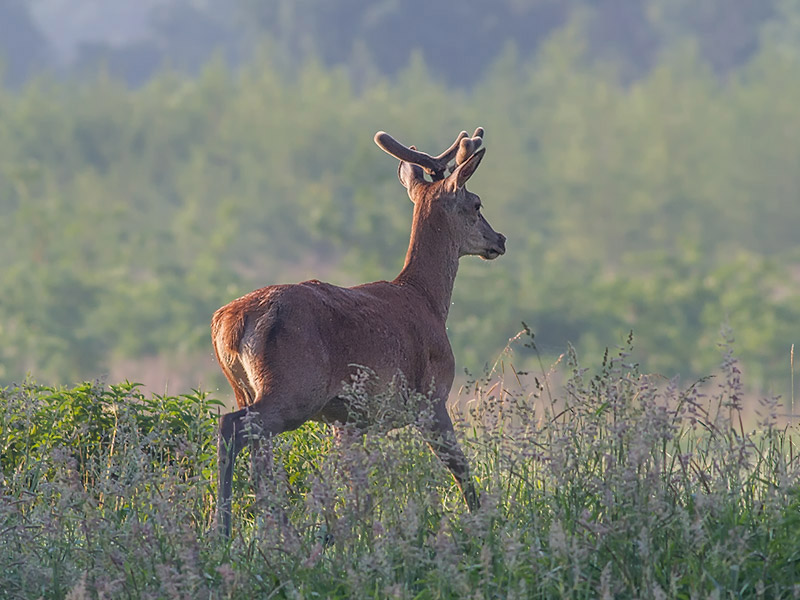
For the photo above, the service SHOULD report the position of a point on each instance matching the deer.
(288, 350)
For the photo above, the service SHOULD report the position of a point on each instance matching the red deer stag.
(288, 350)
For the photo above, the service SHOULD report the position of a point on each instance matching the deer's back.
(318, 332)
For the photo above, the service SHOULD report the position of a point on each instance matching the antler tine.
(468, 146)
(446, 156)
(433, 166)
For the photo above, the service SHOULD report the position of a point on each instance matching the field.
(642, 161)
(606, 484)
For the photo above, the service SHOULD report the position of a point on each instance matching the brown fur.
(288, 350)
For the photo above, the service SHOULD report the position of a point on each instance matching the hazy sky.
(66, 23)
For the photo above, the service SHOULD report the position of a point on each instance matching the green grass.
(607, 485)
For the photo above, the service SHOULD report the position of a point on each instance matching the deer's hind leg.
(229, 444)
(349, 440)
(254, 425)
(234, 434)
(271, 400)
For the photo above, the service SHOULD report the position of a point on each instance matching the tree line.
(459, 39)
(665, 205)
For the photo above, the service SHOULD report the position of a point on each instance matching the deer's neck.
(431, 263)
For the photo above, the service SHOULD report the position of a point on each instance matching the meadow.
(605, 483)
(655, 191)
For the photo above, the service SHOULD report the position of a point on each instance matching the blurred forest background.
(159, 158)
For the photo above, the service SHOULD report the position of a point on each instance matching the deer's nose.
(501, 242)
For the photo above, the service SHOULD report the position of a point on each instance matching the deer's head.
(444, 203)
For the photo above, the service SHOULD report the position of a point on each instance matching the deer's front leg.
(442, 441)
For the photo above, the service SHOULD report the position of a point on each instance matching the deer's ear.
(409, 175)
(464, 171)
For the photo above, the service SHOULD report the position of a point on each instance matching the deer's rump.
(309, 339)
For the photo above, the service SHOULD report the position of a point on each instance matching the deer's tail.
(227, 329)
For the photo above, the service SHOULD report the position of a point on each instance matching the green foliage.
(91, 421)
(667, 206)
(612, 483)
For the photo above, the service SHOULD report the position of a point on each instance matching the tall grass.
(610, 484)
